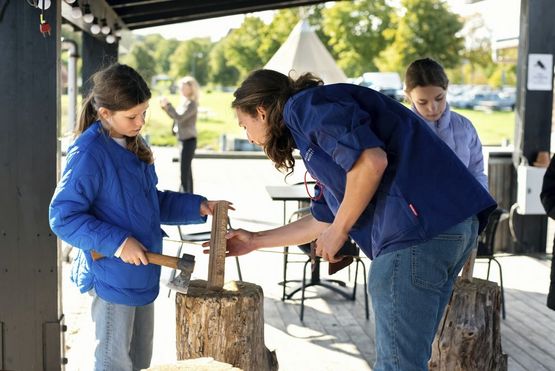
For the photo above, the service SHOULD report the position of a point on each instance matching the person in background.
(547, 197)
(185, 121)
(426, 89)
(107, 201)
(384, 180)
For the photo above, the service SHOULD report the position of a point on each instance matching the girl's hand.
(329, 243)
(239, 242)
(207, 207)
(133, 252)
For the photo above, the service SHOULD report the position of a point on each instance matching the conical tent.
(304, 52)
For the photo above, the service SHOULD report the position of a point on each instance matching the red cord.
(316, 198)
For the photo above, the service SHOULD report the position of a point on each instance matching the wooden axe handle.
(153, 258)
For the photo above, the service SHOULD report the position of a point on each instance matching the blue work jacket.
(425, 188)
(107, 194)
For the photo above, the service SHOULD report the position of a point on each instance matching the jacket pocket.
(393, 218)
(432, 261)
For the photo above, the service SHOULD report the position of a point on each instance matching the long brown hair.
(271, 90)
(116, 88)
(425, 72)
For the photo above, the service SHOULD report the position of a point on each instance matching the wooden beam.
(218, 243)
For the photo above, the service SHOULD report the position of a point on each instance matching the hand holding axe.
(185, 265)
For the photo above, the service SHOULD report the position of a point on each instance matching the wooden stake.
(216, 263)
(468, 269)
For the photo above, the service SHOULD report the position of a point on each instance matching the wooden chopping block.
(198, 364)
(225, 322)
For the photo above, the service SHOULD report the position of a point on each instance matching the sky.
(502, 26)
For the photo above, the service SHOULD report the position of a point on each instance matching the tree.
(424, 28)
(220, 71)
(141, 60)
(241, 49)
(277, 32)
(356, 33)
(191, 58)
(162, 53)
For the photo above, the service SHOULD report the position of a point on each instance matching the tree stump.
(226, 324)
(197, 364)
(468, 337)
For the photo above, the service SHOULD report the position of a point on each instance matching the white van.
(388, 83)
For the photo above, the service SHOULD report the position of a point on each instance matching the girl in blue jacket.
(426, 89)
(385, 180)
(107, 201)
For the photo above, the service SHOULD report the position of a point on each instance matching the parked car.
(388, 83)
(470, 99)
(498, 102)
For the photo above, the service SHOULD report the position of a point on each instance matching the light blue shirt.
(460, 135)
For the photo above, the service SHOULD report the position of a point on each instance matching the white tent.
(304, 52)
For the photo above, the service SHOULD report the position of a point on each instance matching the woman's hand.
(329, 243)
(133, 252)
(207, 207)
(163, 101)
(239, 242)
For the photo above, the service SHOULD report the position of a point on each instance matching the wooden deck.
(335, 334)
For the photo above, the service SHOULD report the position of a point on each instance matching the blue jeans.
(410, 289)
(123, 335)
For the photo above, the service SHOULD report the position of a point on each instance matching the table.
(298, 193)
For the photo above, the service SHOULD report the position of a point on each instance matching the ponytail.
(88, 115)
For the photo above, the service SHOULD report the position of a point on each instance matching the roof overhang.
(136, 14)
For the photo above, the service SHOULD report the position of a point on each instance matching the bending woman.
(385, 180)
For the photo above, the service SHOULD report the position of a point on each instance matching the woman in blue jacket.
(426, 89)
(385, 180)
(107, 201)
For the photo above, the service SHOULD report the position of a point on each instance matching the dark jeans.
(188, 147)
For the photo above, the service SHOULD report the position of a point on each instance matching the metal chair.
(486, 242)
(349, 248)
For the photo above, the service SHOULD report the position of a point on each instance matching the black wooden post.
(533, 114)
(30, 305)
(97, 54)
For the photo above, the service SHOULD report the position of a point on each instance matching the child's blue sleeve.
(69, 212)
(180, 208)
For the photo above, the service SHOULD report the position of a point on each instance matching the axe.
(185, 265)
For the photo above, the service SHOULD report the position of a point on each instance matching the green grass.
(492, 127)
(217, 118)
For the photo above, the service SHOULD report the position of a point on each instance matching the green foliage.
(424, 28)
(277, 31)
(242, 46)
(220, 71)
(141, 60)
(162, 53)
(356, 33)
(191, 58)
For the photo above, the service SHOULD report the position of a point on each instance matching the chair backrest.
(486, 239)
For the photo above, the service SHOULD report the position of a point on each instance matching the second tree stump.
(468, 337)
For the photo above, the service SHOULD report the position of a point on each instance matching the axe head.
(185, 266)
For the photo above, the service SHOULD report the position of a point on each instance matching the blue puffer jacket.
(107, 194)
